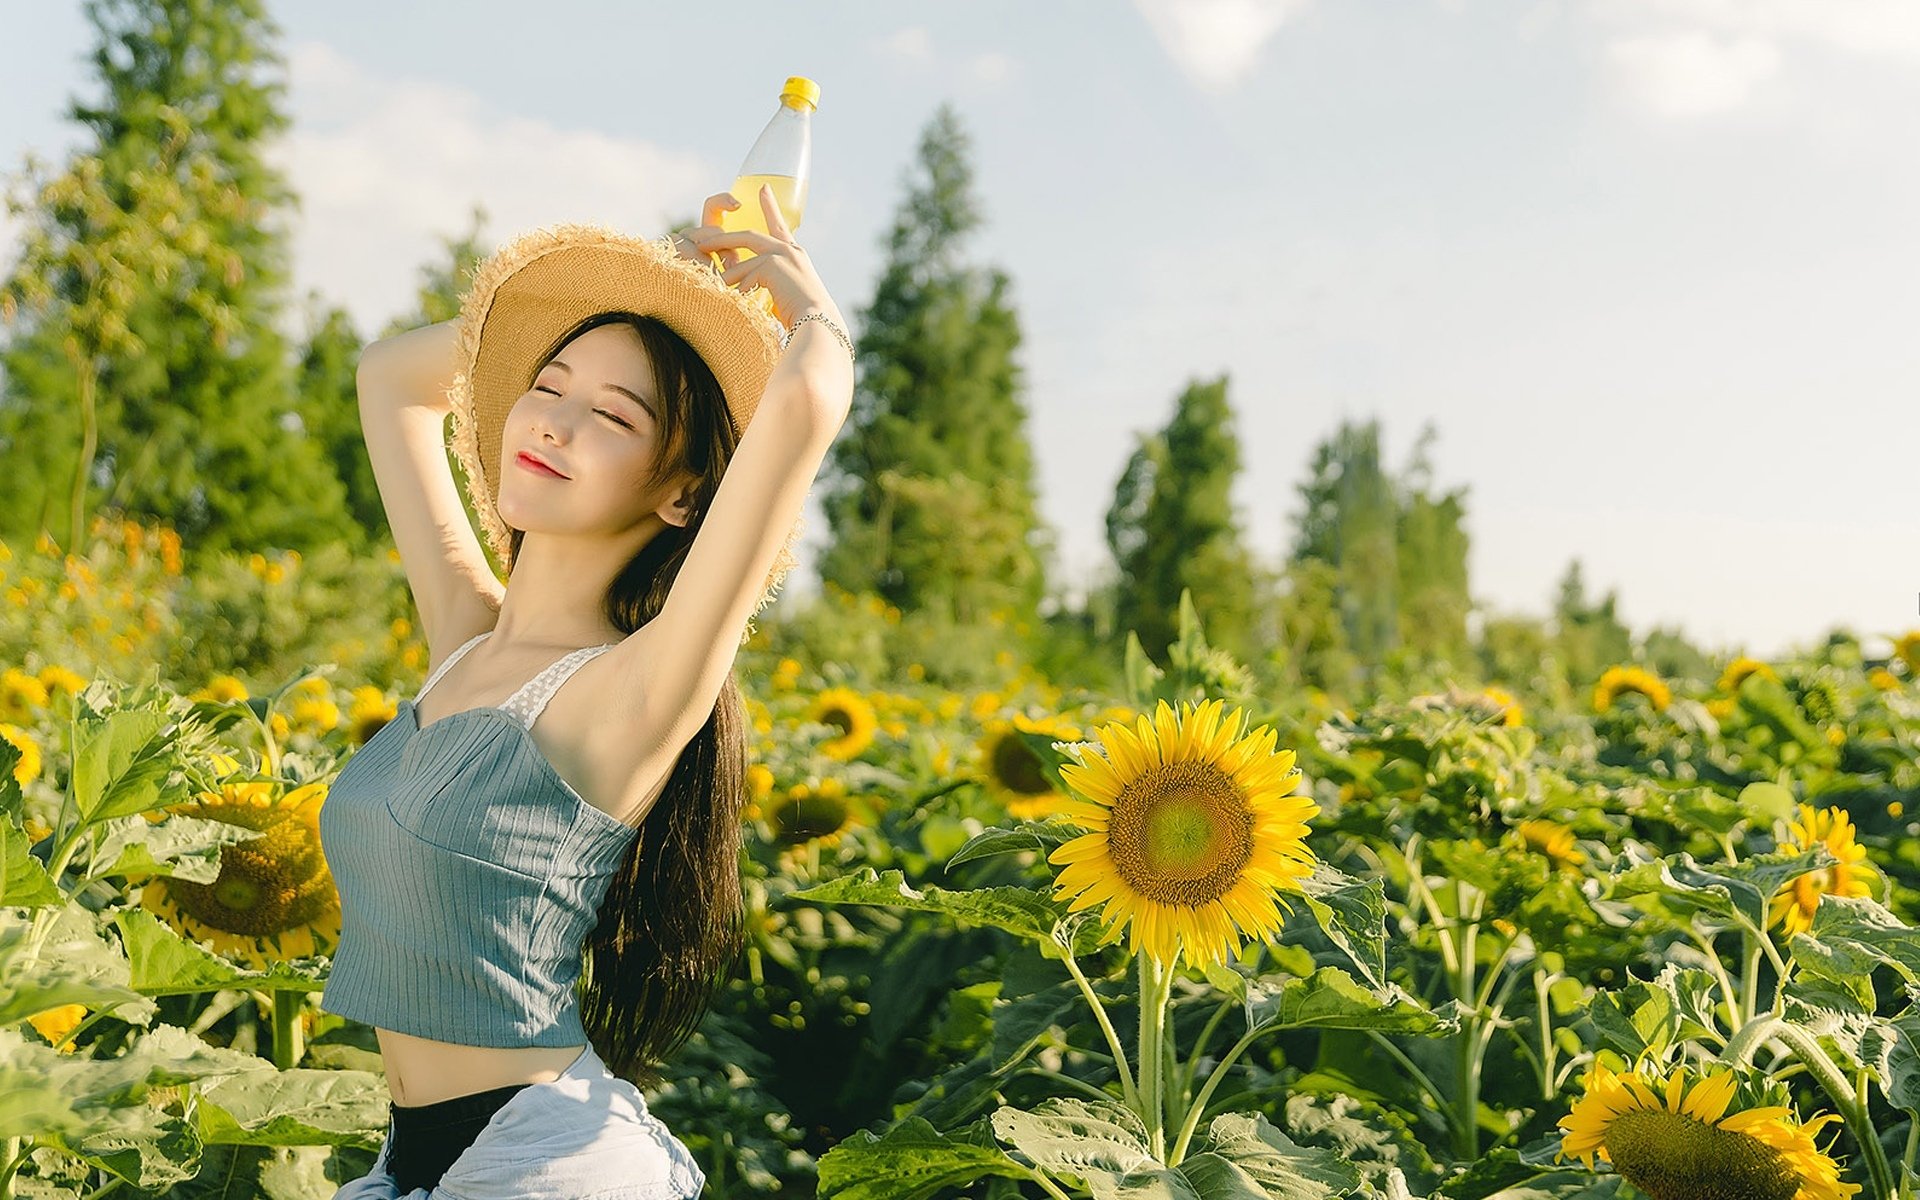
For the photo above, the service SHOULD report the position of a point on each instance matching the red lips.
(532, 461)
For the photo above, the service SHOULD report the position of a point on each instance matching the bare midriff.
(423, 1071)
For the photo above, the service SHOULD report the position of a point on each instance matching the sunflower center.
(266, 886)
(1673, 1157)
(840, 718)
(1018, 769)
(1180, 834)
(804, 818)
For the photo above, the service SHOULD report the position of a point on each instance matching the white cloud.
(1216, 42)
(1690, 72)
(914, 44)
(912, 49)
(384, 168)
(1689, 58)
(992, 67)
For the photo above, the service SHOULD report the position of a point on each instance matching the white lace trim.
(530, 700)
(526, 704)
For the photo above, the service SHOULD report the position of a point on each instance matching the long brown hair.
(670, 924)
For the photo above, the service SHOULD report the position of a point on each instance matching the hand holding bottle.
(779, 264)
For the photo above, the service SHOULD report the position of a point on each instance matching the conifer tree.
(193, 410)
(1172, 526)
(929, 491)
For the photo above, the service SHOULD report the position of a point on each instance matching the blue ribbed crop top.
(470, 874)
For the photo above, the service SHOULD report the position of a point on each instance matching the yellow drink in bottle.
(781, 158)
(788, 192)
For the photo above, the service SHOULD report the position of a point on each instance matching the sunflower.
(370, 712)
(1504, 702)
(274, 898)
(27, 769)
(1739, 669)
(1553, 840)
(849, 711)
(1194, 832)
(1906, 648)
(824, 814)
(57, 1022)
(1012, 770)
(1794, 904)
(1676, 1142)
(1617, 681)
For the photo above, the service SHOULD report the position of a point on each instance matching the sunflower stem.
(286, 1026)
(1152, 1013)
(1419, 1076)
(1176, 1096)
(1466, 1125)
(1206, 1093)
(1746, 1042)
(1854, 1114)
(1750, 982)
(1727, 993)
(1192, 1071)
(1127, 1088)
(1906, 1161)
(1061, 1077)
(1542, 989)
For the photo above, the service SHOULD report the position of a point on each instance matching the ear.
(677, 509)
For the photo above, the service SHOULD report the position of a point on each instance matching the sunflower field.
(1173, 940)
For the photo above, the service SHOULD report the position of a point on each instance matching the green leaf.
(1076, 1136)
(296, 1107)
(119, 762)
(1374, 1138)
(1740, 891)
(1043, 836)
(1676, 1006)
(1353, 915)
(75, 965)
(1332, 999)
(182, 847)
(164, 963)
(1766, 803)
(911, 1161)
(24, 882)
(1278, 1165)
(1903, 1063)
(89, 1089)
(1021, 911)
(1867, 929)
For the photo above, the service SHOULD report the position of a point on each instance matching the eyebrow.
(611, 387)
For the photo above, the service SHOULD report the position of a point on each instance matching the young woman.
(538, 856)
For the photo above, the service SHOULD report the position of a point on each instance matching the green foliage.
(1172, 528)
(935, 453)
(175, 199)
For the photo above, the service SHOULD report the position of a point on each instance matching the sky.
(1650, 268)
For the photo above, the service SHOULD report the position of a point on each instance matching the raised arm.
(403, 382)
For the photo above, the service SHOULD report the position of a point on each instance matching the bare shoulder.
(639, 732)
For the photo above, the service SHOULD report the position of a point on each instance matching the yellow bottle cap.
(799, 87)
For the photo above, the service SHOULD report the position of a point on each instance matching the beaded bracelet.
(830, 324)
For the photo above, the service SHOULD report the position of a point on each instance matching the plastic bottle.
(782, 157)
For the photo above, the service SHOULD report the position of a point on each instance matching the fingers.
(740, 272)
(742, 239)
(716, 204)
(776, 220)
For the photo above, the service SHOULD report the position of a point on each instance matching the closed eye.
(603, 412)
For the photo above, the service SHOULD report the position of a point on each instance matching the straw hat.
(529, 292)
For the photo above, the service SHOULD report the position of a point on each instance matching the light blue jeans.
(584, 1136)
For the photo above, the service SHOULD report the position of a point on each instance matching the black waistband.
(456, 1108)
